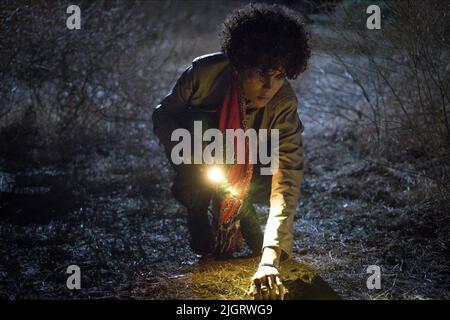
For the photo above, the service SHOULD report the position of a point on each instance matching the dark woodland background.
(84, 181)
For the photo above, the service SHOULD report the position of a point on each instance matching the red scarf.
(239, 175)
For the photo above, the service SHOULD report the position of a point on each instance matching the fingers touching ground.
(280, 288)
(267, 285)
(255, 289)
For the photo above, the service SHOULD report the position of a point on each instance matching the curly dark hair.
(266, 37)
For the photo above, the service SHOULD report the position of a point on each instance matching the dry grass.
(229, 280)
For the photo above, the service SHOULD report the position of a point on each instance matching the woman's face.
(261, 87)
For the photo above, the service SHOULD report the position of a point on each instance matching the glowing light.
(216, 175)
(233, 191)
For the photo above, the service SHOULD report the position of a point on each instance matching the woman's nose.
(268, 82)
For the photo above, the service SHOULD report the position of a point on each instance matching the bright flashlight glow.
(233, 191)
(216, 175)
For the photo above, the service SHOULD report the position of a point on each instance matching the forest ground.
(112, 214)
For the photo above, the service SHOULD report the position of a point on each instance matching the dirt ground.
(116, 218)
(129, 235)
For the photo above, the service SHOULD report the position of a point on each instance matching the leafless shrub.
(81, 83)
(395, 80)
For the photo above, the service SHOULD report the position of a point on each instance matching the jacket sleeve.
(286, 181)
(167, 112)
